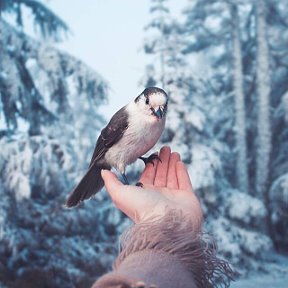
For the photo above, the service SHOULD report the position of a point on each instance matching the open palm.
(166, 186)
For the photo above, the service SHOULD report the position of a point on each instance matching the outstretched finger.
(112, 183)
(183, 177)
(162, 167)
(172, 181)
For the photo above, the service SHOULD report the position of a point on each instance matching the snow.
(204, 163)
(236, 242)
(17, 163)
(275, 275)
(38, 172)
(244, 208)
(196, 118)
(259, 281)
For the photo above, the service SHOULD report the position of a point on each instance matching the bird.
(131, 133)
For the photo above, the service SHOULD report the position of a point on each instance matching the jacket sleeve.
(167, 252)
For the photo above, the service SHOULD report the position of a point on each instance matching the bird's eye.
(147, 100)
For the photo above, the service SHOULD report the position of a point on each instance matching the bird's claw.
(150, 159)
(139, 184)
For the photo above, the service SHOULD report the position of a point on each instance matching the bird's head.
(153, 101)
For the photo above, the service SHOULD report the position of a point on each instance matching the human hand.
(166, 185)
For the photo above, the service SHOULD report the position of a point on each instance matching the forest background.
(224, 65)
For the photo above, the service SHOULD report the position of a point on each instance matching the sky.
(108, 35)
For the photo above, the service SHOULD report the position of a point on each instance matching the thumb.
(111, 183)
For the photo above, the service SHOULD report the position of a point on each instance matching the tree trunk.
(263, 91)
(239, 105)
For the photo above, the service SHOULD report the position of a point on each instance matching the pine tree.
(55, 98)
(223, 32)
(19, 94)
(277, 200)
(212, 28)
(157, 45)
(48, 23)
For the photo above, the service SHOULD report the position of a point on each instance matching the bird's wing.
(111, 134)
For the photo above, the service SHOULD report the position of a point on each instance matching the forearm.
(166, 252)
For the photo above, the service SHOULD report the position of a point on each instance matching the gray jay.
(131, 132)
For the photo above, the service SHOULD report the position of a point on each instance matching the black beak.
(158, 113)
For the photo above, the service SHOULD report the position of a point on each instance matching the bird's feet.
(139, 184)
(150, 159)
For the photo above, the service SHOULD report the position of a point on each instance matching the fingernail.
(103, 171)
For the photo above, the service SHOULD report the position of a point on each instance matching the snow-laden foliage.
(236, 242)
(243, 208)
(54, 97)
(44, 20)
(201, 63)
(39, 236)
(220, 92)
(259, 52)
(25, 170)
(203, 166)
(36, 81)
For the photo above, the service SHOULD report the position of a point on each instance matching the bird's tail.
(89, 185)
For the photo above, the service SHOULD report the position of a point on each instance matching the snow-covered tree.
(224, 32)
(49, 124)
(213, 28)
(164, 44)
(19, 95)
(239, 103)
(166, 47)
(207, 30)
(40, 240)
(158, 44)
(45, 20)
(277, 201)
(263, 103)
